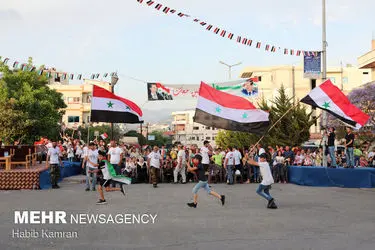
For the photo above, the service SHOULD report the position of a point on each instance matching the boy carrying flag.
(105, 182)
(199, 169)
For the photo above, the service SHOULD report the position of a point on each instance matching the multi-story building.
(189, 132)
(367, 61)
(292, 78)
(77, 98)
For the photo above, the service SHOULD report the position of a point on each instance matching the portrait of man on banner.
(158, 92)
(249, 89)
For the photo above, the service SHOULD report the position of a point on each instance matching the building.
(189, 132)
(292, 78)
(367, 61)
(77, 99)
(148, 128)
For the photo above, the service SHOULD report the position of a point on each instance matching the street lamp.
(230, 67)
(114, 80)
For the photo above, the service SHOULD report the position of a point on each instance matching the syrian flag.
(158, 6)
(222, 110)
(292, 52)
(162, 89)
(6, 61)
(244, 41)
(330, 98)
(71, 76)
(230, 36)
(139, 1)
(173, 11)
(223, 33)
(285, 51)
(216, 30)
(149, 3)
(267, 47)
(258, 45)
(238, 39)
(209, 27)
(249, 42)
(273, 49)
(105, 75)
(107, 107)
(40, 72)
(298, 53)
(79, 77)
(196, 20)
(166, 10)
(104, 136)
(203, 23)
(15, 64)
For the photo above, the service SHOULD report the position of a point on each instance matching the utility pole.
(324, 73)
(230, 67)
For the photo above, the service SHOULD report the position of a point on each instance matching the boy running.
(267, 179)
(103, 182)
(199, 169)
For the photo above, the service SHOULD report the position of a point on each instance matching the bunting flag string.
(51, 72)
(221, 32)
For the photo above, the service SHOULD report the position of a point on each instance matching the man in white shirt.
(52, 162)
(265, 185)
(229, 165)
(91, 165)
(115, 155)
(260, 149)
(154, 162)
(181, 165)
(205, 151)
(237, 161)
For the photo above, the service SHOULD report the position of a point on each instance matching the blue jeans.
(201, 184)
(89, 175)
(356, 160)
(230, 173)
(256, 172)
(331, 150)
(350, 157)
(264, 191)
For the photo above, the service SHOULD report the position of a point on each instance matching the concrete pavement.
(307, 218)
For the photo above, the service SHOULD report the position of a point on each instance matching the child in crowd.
(199, 169)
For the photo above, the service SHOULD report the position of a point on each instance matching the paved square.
(308, 218)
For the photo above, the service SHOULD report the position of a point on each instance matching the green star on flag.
(326, 105)
(110, 104)
(218, 109)
(127, 108)
(245, 115)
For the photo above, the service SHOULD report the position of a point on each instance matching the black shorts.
(104, 182)
(206, 166)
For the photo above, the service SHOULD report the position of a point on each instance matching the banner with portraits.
(247, 88)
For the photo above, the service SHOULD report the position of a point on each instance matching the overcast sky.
(90, 36)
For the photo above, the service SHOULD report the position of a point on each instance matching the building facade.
(77, 98)
(367, 61)
(189, 132)
(292, 78)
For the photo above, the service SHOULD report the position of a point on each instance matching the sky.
(143, 44)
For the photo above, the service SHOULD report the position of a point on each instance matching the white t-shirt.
(54, 154)
(92, 155)
(181, 154)
(230, 157)
(79, 151)
(261, 151)
(154, 159)
(115, 154)
(205, 157)
(237, 157)
(85, 151)
(265, 171)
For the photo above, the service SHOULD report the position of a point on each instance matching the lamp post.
(230, 67)
(114, 80)
(324, 75)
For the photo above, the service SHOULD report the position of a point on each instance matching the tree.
(141, 139)
(292, 129)
(37, 108)
(160, 139)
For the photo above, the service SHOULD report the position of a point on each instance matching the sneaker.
(270, 202)
(101, 202)
(222, 200)
(192, 204)
(123, 190)
(87, 189)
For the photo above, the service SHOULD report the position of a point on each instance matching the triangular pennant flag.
(105, 75)
(92, 76)
(79, 77)
(71, 76)
(97, 76)
(15, 64)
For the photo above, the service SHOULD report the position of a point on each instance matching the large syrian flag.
(330, 98)
(107, 107)
(222, 110)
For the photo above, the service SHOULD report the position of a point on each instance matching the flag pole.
(324, 73)
(273, 125)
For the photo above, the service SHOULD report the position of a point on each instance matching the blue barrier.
(332, 177)
(69, 169)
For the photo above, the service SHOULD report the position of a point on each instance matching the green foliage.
(141, 139)
(293, 128)
(36, 107)
(160, 139)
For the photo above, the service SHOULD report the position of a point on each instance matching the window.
(333, 79)
(192, 138)
(208, 128)
(213, 137)
(365, 73)
(88, 99)
(345, 80)
(208, 138)
(73, 100)
(195, 128)
(72, 119)
(197, 138)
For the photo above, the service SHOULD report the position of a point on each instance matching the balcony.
(367, 60)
